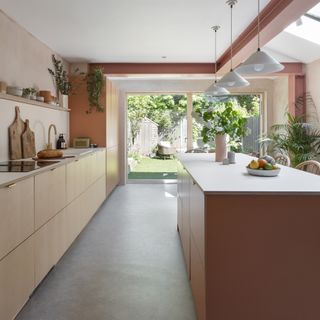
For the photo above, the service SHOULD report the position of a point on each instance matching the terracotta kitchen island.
(251, 244)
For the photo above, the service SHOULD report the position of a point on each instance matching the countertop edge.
(27, 175)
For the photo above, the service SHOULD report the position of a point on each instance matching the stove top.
(23, 166)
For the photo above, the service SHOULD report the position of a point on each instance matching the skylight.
(306, 27)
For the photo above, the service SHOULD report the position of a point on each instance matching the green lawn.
(152, 168)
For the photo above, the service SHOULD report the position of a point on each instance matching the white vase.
(63, 101)
(221, 147)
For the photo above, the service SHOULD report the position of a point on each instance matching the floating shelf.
(33, 102)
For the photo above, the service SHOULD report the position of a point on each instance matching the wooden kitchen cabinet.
(16, 214)
(76, 178)
(184, 182)
(112, 169)
(50, 194)
(50, 243)
(16, 279)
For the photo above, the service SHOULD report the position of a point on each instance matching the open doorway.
(156, 133)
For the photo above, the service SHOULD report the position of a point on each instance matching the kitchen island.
(251, 244)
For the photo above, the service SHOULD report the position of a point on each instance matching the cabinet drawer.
(16, 279)
(198, 281)
(50, 243)
(16, 214)
(197, 217)
(50, 194)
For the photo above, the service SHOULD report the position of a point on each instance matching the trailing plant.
(223, 118)
(95, 83)
(60, 77)
(297, 139)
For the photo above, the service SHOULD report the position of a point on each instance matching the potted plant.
(95, 83)
(296, 139)
(61, 81)
(29, 93)
(220, 120)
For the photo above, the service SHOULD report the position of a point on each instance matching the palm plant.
(299, 140)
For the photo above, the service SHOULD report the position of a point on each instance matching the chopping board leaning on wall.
(15, 133)
(28, 142)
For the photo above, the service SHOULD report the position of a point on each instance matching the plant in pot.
(29, 93)
(296, 139)
(222, 120)
(61, 81)
(95, 83)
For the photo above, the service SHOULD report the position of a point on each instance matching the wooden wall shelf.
(32, 102)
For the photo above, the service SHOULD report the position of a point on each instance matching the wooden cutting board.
(15, 132)
(28, 142)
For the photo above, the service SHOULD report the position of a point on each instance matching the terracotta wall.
(24, 59)
(83, 124)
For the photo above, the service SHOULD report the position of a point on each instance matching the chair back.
(311, 166)
(282, 159)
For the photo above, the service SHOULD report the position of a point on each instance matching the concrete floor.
(126, 265)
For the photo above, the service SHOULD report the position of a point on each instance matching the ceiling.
(131, 31)
(299, 41)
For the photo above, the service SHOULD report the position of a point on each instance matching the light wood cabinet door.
(76, 178)
(197, 218)
(16, 279)
(16, 214)
(50, 194)
(112, 169)
(50, 243)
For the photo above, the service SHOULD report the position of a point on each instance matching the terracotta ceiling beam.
(274, 18)
(155, 68)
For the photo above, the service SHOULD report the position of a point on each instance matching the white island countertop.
(7, 178)
(214, 177)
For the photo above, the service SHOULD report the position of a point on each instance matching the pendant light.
(232, 79)
(214, 90)
(260, 61)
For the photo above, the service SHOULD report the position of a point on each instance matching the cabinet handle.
(53, 169)
(12, 185)
(76, 160)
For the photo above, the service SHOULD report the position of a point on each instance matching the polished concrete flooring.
(126, 265)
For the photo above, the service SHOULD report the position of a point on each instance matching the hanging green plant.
(95, 83)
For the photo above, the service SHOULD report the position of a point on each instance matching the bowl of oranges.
(263, 167)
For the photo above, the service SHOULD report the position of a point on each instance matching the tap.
(49, 145)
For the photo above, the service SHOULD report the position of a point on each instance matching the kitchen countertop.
(7, 178)
(213, 177)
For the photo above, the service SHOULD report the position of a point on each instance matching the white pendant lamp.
(232, 79)
(214, 90)
(260, 61)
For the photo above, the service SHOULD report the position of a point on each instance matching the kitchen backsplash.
(40, 118)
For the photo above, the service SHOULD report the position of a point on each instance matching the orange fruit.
(262, 163)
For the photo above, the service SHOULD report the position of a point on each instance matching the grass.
(153, 168)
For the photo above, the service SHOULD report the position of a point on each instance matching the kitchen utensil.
(28, 142)
(263, 173)
(15, 131)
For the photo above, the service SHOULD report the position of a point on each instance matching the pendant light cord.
(258, 25)
(231, 47)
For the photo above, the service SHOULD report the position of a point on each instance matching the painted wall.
(24, 59)
(83, 124)
(280, 100)
(40, 118)
(313, 87)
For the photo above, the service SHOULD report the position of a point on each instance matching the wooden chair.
(282, 159)
(311, 166)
